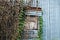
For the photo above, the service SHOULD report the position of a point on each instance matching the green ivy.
(40, 32)
(21, 22)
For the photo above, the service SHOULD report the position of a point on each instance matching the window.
(33, 25)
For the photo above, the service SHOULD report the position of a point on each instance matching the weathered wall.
(51, 17)
(9, 11)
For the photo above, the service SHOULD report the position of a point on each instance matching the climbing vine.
(40, 32)
(21, 23)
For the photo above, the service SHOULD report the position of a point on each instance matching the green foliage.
(40, 32)
(21, 21)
